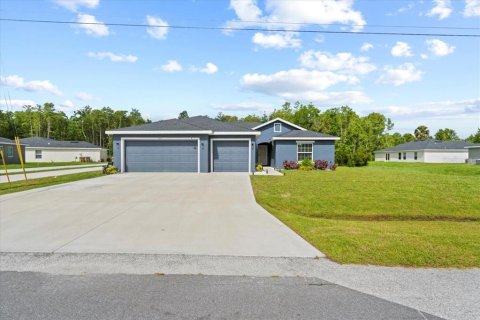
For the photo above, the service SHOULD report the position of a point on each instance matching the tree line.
(359, 135)
(86, 124)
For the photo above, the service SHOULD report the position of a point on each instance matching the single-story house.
(473, 154)
(10, 151)
(202, 144)
(431, 151)
(40, 149)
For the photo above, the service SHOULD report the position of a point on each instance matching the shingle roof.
(248, 125)
(430, 145)
(198, 123)
(50, 143)
(6, 141)
(304, 134)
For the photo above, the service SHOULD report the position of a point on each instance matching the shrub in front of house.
(290, 165)
(110, 170)
(321, 164)
(259, 167)
(306, 165)
(332, 166)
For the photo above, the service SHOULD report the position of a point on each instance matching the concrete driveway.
(160, 213)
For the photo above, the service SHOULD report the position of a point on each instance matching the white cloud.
(83, 96)
(401, 49)
(366, 46)
(400, 75)
(424, 56)
(92, 26)
(67, 104)
(343, 62)
(279, 14)
(442, 9)
(171, 66)
(209, 68)
(433, 109)
(17, 103)
(277, 40)
(294, 80)
(246, 10)
(18, 82)
(73, 5)
(472, 8)
(113, 57)
(243, 106)
(158, 29)
(439, 48)
(304, 85)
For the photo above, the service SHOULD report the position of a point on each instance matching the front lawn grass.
(419, 215)
(23, 185)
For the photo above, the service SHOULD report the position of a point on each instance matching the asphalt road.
(28, 295)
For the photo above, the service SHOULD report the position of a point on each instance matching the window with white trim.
(10, 151)
(304, 151)
(387, 156)
(404, 156)
(277, 127)
(415, 156)
(38, 154)
(399, 156)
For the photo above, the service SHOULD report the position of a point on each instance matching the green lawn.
(18, 186)
(424, 215)
(44, 164)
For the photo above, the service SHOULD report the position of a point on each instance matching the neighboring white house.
(473, 154)
(49, 150)
(432, 151)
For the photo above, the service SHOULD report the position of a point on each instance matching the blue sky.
(429, 80)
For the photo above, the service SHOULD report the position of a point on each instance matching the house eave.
(236, 133)
(305, 138)
(64, 148)
(160, 132)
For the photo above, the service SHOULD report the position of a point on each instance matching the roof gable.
(280, 120)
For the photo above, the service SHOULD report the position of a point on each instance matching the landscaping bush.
(259, 167)
(110, 170)
(290, 165)
(321, 164)
(332, 166)
(306, 165)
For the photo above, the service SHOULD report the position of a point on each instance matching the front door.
(263, 154)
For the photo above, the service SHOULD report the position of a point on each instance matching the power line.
(241, 28)
(356, 25)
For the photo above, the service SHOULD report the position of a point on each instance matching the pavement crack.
(421, 313)
(90, 230)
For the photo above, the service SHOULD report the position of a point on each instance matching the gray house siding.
(14, 159)
(287, 150)
(268, 134)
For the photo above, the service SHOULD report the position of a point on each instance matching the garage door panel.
(230, 156)
(161, 156)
